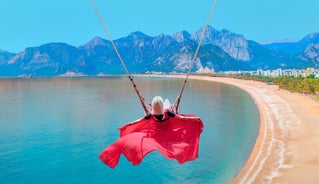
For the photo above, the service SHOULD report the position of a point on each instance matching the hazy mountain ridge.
(294, 47)
(220, 51)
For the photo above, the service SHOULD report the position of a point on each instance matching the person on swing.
(174, 136)
(159, 113)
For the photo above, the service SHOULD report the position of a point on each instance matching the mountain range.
(220, 51)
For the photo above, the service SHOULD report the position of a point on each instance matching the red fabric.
(176, 138)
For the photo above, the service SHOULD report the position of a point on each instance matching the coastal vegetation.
(303, 85)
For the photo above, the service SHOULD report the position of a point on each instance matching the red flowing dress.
(176, 137)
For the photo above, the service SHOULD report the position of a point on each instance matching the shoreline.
(287, 147)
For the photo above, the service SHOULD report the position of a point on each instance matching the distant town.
(305, 81)
(277, 73)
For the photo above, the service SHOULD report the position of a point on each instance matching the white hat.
(157, 106)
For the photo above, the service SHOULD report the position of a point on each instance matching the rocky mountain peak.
(312, 52)
(136, 39)
(137, 34)
(96, 41)
(209, 37)
(311, 38)
(181, 36)
(235, 45)
(5, 56)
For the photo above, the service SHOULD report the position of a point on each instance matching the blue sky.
(29, 23)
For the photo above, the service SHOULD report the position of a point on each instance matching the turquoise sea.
(52, 130)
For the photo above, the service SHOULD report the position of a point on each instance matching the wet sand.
(287, 147)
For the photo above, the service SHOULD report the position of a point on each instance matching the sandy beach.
(287, 147)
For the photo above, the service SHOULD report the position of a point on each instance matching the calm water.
(53, 130)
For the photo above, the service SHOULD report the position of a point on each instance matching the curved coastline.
(288, 126)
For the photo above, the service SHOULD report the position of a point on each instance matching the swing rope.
(175, 106)
(142, 100)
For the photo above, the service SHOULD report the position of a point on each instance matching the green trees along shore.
(303, 85)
